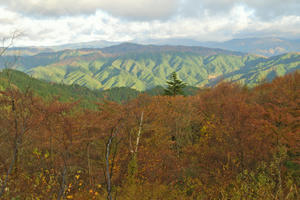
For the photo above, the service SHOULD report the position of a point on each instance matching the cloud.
(131, 9)
(286, 27)
(144, 10)
(264, 9)
(119, 21)
(271, 9)
(151, 9)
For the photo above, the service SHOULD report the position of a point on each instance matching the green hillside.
(263, 69)
(143, 67)
(65, 93)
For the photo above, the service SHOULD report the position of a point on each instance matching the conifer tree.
(175, 86)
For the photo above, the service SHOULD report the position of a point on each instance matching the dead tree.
(19, 120)
(109, 167)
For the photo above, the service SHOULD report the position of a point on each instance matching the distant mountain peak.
(128, 47)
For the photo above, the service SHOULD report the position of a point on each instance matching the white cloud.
(265, 9)
(150, 9)
(201, 20)
(132, 9)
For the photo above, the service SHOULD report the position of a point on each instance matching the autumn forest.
(225, 142)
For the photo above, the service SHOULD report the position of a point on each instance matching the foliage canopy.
(154, 147)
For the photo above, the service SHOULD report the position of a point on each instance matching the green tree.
(175, 86)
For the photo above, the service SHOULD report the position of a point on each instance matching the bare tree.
(8, 42)
(110, 162)
(133, 166)
(16, 123)
(139, 133)
(20, 122)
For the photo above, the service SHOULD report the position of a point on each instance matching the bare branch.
(8, 42)
(139, 133)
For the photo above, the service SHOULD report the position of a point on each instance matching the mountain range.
(268, 46)
(265, 46)
(143, 67)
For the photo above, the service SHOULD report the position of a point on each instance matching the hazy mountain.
(268, 46)
(30, 51)
(132, 48)
(171, 41)
(83, 45)
(146, 66)
(27, 51)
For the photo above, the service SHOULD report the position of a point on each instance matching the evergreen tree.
(175, 86)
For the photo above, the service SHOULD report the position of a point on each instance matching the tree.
(175, 86)
(19, 116)
(8, 42)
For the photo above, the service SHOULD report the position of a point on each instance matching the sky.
(54, 22)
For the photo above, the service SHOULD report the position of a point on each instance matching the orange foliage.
(200, 147)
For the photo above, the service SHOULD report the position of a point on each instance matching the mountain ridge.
(145, 66)
(266, 46)
(127, 48)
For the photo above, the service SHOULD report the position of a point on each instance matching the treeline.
(226, 142)
(67, 93)
(64, 93)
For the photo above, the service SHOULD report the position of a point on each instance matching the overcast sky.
(51, 22)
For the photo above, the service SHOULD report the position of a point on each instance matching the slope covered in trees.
(143, 67)
(65, 93)
(226, 142)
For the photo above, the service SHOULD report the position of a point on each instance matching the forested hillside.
(226, 142)
(143, 67)
(64, 93)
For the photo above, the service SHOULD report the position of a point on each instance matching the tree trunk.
(108, 174)
(139, 133)
(89, 163)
